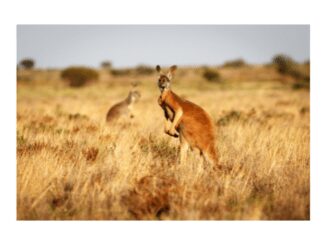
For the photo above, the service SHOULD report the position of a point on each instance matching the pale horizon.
(59, 46)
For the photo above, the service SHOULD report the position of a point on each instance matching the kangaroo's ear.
(173, 68)
(171, 71)
(158, 69)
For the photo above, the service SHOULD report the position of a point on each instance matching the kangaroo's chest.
(168, 111)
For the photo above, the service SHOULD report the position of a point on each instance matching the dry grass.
(71, 165)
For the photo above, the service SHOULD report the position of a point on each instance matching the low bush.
(283, 63)
(235, 63)
(27, 63)
(287, 66)
(211, 75)
(79, 76)
(144, 70)
(301, 85)
(106, 65)
(120, 72)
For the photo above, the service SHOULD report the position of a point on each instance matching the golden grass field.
(71, 165)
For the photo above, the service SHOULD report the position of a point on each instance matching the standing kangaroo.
(123, 108)
(186, 120)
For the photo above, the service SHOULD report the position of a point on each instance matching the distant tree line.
(80, 76)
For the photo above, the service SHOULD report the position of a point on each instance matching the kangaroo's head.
(133, 96)
(164, 80)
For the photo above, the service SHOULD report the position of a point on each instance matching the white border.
(161, 12)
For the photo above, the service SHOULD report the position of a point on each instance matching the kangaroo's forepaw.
(172, 132)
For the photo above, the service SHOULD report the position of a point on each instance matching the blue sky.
(58, 46)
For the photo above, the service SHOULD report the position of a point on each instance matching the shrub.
(235, 63)
(79, 76)
(106, 65)
(211, 75)
(120, 72)
(144, 70)
(284, 64)
(300, 75)
(301, 85)
(287, 66)
(27, 63)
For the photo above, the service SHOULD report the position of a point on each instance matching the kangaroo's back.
(116, 111)
(196, 126)
(123, 108)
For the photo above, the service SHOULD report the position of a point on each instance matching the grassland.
(71, 165)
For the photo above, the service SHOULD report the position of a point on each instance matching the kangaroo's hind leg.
(211, 156)
(184, 146)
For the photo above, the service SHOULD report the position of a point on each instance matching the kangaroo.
(123, 108)
(186, 120)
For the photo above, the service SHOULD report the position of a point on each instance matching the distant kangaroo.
(123, 108)
(187, 121)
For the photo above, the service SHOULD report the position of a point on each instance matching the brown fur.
(195, 128)
(123, 108)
